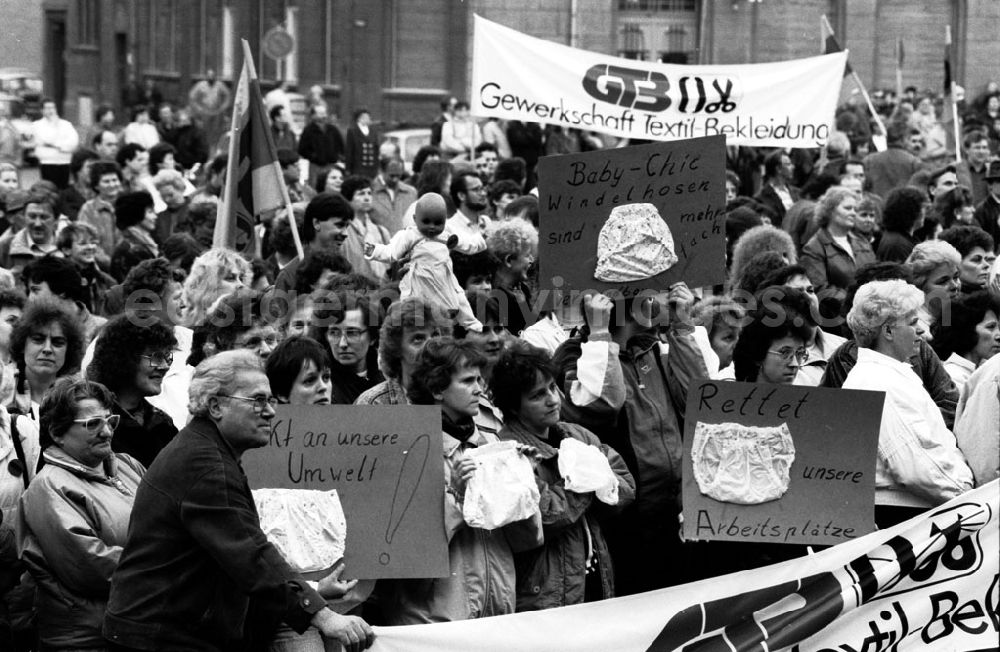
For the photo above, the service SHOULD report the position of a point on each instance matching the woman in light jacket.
(574, 565)
(73, 518)
(919, 464)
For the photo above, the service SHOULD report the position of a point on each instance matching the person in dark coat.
(902, 215)
(320, 143)
(361, 148)
(197, 571)
(778, 194)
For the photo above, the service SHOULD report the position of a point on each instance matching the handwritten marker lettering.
(411, 472)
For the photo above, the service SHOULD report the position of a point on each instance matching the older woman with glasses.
(131, 361)
(919, 464)
(74, 516)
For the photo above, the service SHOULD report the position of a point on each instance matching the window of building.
(88, 22)
(632, 43)
(162, 37)
(658, 5)
(419, 32)
(678, 49)
(211, 36)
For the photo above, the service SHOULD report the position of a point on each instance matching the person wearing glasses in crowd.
(347, 323)
(131, 360)
(237, 322)
(197, 571)
(74, 516)
(772, 347)
(468, 192)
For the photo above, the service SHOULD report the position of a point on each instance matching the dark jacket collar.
(206, 428)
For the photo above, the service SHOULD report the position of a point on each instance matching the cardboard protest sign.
(633, 219)
(779, 463)
(777, 104)
(386, 465)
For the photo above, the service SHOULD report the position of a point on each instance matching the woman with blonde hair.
(934, 270)
(214, 274)
(919, 464)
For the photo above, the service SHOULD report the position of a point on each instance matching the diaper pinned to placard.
(634, 244)
(307, 526)
(746, 465)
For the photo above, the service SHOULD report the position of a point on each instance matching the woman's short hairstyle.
(433, 174)
(119, 347)
(524, 207)
(439, 360)
(182, 247)
(314, 264)
(871, 201)
(99, 168)
(506, 187)
(782, 312)
(958, 335)
(879, 303)
(512, 238)
(409, 313)
(902, 209)
(157, 153)
(753, 273)
(61, 404)
(202, 288)
(73, 232)
(321, 179)
(172, 178)
(928, 256)
(515, 374)
(287, 359)
(829, 202)
(422, 155)
(758, 240)
(330, 307)
(718, 311)
(486, 308)
(38, 313)
(465, 266)
(217, 375)
(967, 238)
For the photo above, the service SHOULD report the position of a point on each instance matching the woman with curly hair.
(131, 361)
(756, 241)
(956, 208)
(214, 274)
(902, 214)
(834, 253)
(933, 267)
(514, 244)
(772, 347)
(46, 344)
(918, 464)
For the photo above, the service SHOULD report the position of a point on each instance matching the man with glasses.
(196, 571)
(470, 196)
(238, 321)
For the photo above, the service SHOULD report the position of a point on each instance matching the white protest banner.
(930, 583)
(781, 104)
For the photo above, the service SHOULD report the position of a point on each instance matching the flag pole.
(248, 56)
(955, 126)
(825, 25)
(899, 69)
(221, 235)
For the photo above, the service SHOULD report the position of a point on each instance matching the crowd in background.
(845, 267)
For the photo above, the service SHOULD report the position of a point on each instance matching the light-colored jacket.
(12, 483)
(55, 141)
(71, 528)
(918, 463)
(977, 421)
(481, 581)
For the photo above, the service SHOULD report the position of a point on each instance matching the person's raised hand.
(597, 309)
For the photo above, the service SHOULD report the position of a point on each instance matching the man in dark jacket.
(196, 562)
(320, 143)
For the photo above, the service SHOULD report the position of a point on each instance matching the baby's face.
(430, 224)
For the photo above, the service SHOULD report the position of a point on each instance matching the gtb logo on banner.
(648, 90)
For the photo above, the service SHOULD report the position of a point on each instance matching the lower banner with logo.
(930, 583)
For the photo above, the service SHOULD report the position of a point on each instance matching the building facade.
(399, 57)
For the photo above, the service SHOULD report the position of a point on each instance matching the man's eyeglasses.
(159, 359)
(94, 425)
(260, 403)
(787, 354)
(352, 334)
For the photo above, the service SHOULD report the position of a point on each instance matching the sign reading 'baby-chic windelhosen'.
(779, 463)
(633, 219)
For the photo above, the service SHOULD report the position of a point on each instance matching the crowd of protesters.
(138, 362)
